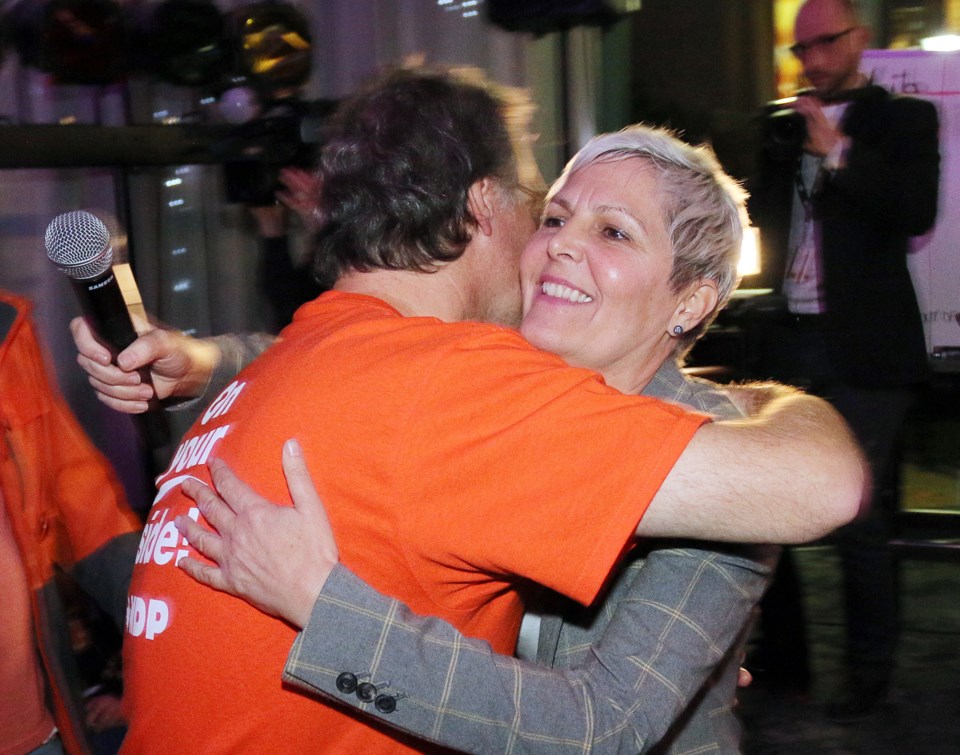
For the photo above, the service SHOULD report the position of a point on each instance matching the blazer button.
(385, 703)
(44, 527)
(347, 682)
(366, 692)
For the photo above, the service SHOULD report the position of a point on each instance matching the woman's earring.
(678, 330)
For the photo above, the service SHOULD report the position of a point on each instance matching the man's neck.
(412, 294)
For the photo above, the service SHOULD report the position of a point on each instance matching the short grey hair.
(704, 208)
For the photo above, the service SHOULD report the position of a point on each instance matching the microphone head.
(78, 243)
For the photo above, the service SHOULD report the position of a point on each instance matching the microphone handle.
(105, 311)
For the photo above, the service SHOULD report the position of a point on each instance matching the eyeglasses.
(802, 48)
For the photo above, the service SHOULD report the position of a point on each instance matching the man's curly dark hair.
(398, 161)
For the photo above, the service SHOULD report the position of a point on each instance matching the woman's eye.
(615, 233)
(551, 221)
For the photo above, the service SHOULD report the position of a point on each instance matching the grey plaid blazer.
(651, 669)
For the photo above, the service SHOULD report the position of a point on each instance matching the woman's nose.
(565, 243)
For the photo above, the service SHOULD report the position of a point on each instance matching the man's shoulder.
(894, 103)
(878, 116)
(918, 113)
(909, 102)
(344, 327)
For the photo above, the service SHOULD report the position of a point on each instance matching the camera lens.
(786, 131)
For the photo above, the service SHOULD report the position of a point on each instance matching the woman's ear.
(698, 303)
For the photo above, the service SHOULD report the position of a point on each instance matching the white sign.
(935, 259)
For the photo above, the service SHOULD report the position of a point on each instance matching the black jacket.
(868, 210)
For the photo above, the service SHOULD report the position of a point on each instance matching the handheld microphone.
(78, 243)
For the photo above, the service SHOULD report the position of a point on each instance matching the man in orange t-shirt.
(429, 440)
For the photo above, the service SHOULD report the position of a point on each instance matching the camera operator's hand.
(301, 193)
(822, 136)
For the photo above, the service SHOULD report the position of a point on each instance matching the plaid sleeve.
(432, 681)
(236, 352)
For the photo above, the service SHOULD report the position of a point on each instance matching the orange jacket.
(66, 505)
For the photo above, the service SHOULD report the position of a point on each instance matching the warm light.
(274, 44)
(749, 252)
(941, 43)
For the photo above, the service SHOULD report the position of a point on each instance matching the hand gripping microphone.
(78, 243)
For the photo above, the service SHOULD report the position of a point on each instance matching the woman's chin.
(547, 339)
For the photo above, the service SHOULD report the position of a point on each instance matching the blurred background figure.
(286, 282)
(848, 173)
(64, 522)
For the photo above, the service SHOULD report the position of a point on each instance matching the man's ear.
(481, 201)
(698, 303)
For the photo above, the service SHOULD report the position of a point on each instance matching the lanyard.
(806, 195)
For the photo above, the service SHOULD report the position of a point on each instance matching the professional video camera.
(288, 134)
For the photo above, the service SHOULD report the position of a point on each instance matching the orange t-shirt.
(455, 461)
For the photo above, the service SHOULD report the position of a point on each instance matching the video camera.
(784, 129)
(289, 134)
